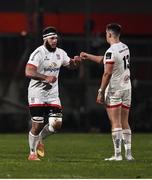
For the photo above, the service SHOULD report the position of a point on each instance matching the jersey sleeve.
(34, 58)
(109, 57)
(66, 59)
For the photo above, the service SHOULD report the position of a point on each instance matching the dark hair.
(48, 30)
(115, 28)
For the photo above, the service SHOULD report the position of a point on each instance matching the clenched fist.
(84, 55)
(50, 79)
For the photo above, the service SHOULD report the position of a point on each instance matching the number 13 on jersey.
(126, 60)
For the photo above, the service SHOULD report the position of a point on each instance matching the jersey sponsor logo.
(32, 59)
(108, 55)
(51, 69)
(53, 64)
(123, 50)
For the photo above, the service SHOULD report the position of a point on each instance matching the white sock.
(33, 141)
(47, 130)
(117, 138)
(127, 139)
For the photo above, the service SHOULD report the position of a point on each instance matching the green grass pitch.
(74, 156)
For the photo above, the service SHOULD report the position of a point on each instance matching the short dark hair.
(115, 28)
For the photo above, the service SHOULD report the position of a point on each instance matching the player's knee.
(55, 120)
(58, 124)
(37, 124)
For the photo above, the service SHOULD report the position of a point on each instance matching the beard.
(49, 48)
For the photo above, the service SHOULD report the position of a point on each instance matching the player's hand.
(75, 62)
(50, 79)
(77, 59)
(100, 98)
(84, 55)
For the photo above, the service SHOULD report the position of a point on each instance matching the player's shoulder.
(110, 50)
(37, 53)
(108, 53)
(118, 46)
(123, 45)
(38, 50)
(60, 51)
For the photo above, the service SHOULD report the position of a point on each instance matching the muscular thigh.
(44, 111)
(39, 113)
(40, 109)
(114, 115)
(113, 102)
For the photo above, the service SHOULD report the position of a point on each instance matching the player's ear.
(109, 34)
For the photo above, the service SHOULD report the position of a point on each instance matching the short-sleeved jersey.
(119, 55)
(47, 63)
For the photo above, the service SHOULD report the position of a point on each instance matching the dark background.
(81, 25)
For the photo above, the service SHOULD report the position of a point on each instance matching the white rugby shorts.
(118, 98)
(34, 101)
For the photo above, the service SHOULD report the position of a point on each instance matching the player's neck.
(114, 41)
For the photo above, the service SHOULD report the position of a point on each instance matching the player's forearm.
(31, 72)
(105, 81)
(74, 63)
(91, 57)
(35, 75)
(94, 58)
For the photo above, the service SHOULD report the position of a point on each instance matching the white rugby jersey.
(119, 55)
(47, 63)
